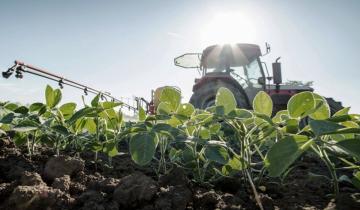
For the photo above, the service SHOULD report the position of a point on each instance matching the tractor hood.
(229, 55)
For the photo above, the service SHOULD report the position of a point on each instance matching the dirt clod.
(62, 183)
(176, 177)
(38, 197)
(31, 179)
(173, 198)
(62, 165)
(134, 190)
(107, 185)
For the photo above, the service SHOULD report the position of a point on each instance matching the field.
(56, 156)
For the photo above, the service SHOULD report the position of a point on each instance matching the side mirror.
(277, 78)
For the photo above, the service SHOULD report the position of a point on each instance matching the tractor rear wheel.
(205, 96)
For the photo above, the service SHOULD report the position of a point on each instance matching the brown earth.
(69, 182)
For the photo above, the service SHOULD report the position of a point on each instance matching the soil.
(45, 181)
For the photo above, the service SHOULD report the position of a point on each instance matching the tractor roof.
(229, 55)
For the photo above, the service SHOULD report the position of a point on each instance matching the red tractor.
(238, 67)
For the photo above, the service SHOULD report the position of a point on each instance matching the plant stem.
(257, 197)
(332, 171)
(28, 146)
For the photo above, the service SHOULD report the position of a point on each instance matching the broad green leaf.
(36, 107)
(321, 127)
(80, 114)
(7, 119)
(111, 149)
(323, 110)
(142, 114)
(279, 116)
(215, 128)
(292, 126)
(90, 125)
(174, 121)
(11, 106)
(263, 104)
(95, 101)
(241, 113)
(185, 109)
(110, 104)
(171, 96)
(352, 146)
(67, 110)
(284, 152)
(22, 110)
(163, 108)
(204, 133)
(343, 111)
(57, 98)
(217, 153)
(356, 180)
(24, 128)
(49, 96)
(225, 98)
(142, 147)
(301, 104)
(60, 129)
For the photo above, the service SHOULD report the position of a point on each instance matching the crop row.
(222, 140)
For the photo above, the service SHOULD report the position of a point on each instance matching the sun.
(228, 28)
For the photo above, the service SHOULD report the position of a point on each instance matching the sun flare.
(226, 28)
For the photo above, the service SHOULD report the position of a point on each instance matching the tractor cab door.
(251, 77)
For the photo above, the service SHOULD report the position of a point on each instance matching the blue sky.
(127, 47)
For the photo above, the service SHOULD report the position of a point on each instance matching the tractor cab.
(237, 67)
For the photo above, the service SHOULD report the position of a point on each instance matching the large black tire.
(204, 97)
(334, 105)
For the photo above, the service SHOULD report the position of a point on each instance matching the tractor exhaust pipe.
(277, 78)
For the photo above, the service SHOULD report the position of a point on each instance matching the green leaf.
(57, 98)
(217, 153)
(11, 106)
(60, 129)
(67, 110)
(263, 104)
(110, 104)
(26, 125)
(95, 101)
(163, 108)
(323, 110)
(204, 133)
(284, 152)
(111, 149)
(142, 114)
(352, 146)
(225, 98)
(81, 113)
(36, 107)
(292, 126)
(90, 125)
(7, 119)
(241, 113)
(322, 127)
(301, 104)
(49, 96)
(215, 128)
(22, 110)
(185, 109)
(343, 111)
(279, 117)
(143, 147)
(171, 96)
(356, 180)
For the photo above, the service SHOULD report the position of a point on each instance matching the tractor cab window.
(249, 75)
